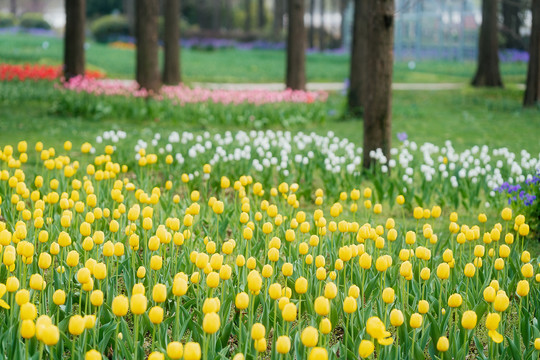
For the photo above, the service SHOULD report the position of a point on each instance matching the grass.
(230, 65)
(467, 117)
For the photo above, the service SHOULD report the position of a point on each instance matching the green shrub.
(110, 28)
(6, 20)
(34, 21)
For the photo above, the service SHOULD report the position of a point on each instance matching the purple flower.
(402, 136)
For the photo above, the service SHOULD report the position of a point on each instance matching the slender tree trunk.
(322, 29)
(342, 8)
(171, 56)
(13, 7)
(488, 73)
(532, 92)
(311, 24)
(359, 53)
(216, 18)
(278, 19)
(296, 47)
(511, 24)
(74, 38)
(378, 75)
(247, 7)
(129, 10)
(147, 44)
(261, 14)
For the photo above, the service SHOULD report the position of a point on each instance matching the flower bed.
(23, 72)
(104, 256)
(181, 94)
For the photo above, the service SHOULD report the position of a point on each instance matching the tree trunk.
(13, 7)
(128, 7)
(342, 8)
(532, 92)
(378, 75)
(296, 46)
(488, 72)
(216, 16)
(171, 56)
(247, 24)
(261, 14)
(511, 24)
(359, 52)
(74, 38)
(322, 29)
(278, 19)
(311, 24)
(147, 44)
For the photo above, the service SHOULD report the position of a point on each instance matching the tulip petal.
(386, 341)
(4, 304)
(495, 336)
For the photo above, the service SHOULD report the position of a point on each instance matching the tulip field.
(266, 244)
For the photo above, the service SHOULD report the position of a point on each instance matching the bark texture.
(379, 64)
(146, 33)
(488, 73)
(74, 38)
(357, 80)
(532, 92)
(171, 56)
(296, 47)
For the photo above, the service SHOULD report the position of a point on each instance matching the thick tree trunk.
(322, 29)
(74, 38)
(532, 92)
(147, 44)
(488, 73)
(511, 24)
(13, 7)
(311, 44)
(359, 52)
(278, 18)
(378, 76)
(261, 11)
(171, 56)
(247, 9)
(296, 47)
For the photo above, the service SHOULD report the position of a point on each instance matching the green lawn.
(468, 117)
(238, 66)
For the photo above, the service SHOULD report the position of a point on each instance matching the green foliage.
(110, 28)
(7, 20)
(102, 7)
(34, 21)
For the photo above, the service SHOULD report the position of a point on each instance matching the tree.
(13, 7)
(279, 9)
(261, 14)
(171, 58)
(247, 23)
(342, 9)
(322, 29)
(311, 24)
(74, 38)
(378, 78)
(512, 21)
(359, 52)
(532, 92)
(296, 46)
(146, 33)
(488, 72)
